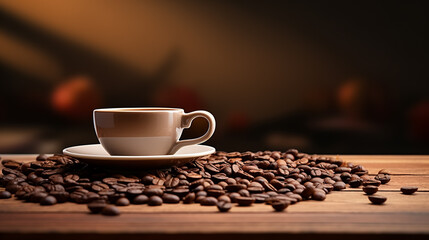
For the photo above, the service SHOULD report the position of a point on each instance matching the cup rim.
(137, 109)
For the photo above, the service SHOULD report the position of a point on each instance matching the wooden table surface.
(345, 214)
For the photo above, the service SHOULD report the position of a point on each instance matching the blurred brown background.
(324, 77)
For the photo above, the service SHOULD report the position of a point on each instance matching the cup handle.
(187, 119)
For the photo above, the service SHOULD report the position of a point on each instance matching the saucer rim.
(67, 152)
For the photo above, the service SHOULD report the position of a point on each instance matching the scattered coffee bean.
(307, 192)
(355, 183)
(140, 199)
(224, 206)
(338, 186)
(245, 201)
(372, 182)
(233, 197)
(36, 197)
(49, 200)
(369, 190)
(383, 178)
(110, 210)
(61, 197)
(122, 202)
(5, 194)
(190, 198)
(10, 164)
(170, 198)
(409, 190)
(208, 201)
(153, 191)
(280, 205)
(384, 171)
(244, 193)
(224, 198)
(96, 207)
(243, 178)
(346, 177)
(318, 195)
(42, 157)
(377, 199)
(155, 201)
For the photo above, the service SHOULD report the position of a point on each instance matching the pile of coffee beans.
(221, 179)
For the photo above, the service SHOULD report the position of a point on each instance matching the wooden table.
(346, 214)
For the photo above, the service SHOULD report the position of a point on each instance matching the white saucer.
(95, 154)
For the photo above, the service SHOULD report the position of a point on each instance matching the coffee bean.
(244, 193)
(140, 199)
(377, 199)
(189, 198)
(199, 198)
(49, 200)
(235, 187)
(134, 191)
(369, 190)
(339, 186)
(57, 179)
(355, 183)
(245, 201)
(280, 205)
(122, 202)
(409, 190)
(283, 190)
(37, 197)
(96, 207)
(80, 196)
(383, 178)
(307, 192)
(42, 157)
(295, 196)
(343, 169)
(193, 176)
(219, 177)
(271, 193)
(318, 195)
(99, 186)
(155, 201)
(129, 180)
(153, 191)
(328, 188)
(224, 206)
(61, 196)
(13, 187)
(224, 198)
(170, 198)
(384, 171)
(215, 193)
(110, 181)
(71, 178)
(5, 194)
(201, 193)
(298, 191)
(372, 182)
(12, 164)
(21, 194)
(233, 197)
(208, 201)
(110, 210)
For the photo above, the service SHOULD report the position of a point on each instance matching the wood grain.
(218, 223)
(340, 215)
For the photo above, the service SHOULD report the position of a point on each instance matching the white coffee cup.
(146, 131)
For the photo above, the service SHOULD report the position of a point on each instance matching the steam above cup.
(146, 131)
